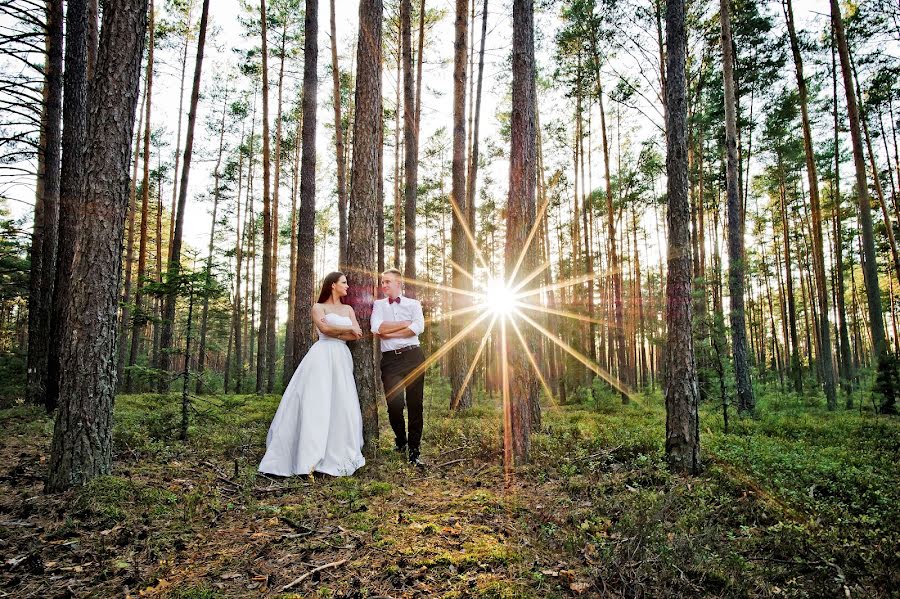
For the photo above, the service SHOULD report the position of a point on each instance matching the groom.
(398, 321)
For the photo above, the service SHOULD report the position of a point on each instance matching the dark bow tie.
(394, 300)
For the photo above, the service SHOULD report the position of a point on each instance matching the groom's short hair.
(393, 271)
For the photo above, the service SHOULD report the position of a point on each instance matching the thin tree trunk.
(237, 363)
(139, 320)
(174, 267)
(870, 265)
(614, 266)
(818, 253)
(339, 147)
(845, 357)
(289, 347)
(411, 146)
(204, 314)
(398, 209)
(265, 279)
(746, 402)
(271, 326)
(46, 211)
(184, 57)
(125, 317)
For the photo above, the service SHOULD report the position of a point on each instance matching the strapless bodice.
(337, 320)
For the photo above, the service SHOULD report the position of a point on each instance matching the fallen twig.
(294, 583)
(451, 462)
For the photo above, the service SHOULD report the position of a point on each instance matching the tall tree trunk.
(518, 382)
(818, 253)
(398, 209)
(870, 264)
(682, 422)
(796, 370)
(289, 347)
(125, 317)
(845, 357)
(265, 278)
(46, 210)
(361, 251)
(459, 354)
(271, 327)
(746, 402)
(204, 313)
(411, 147)
(238, 362)
(74, 136)
(184, 57)
(174, 268)
(306, 223)
(339, 147)
(82, 436)
(139, 320)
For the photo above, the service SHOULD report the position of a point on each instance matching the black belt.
(403, 349)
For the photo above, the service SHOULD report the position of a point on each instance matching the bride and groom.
(318, 425)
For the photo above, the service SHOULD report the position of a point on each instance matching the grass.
(797, 502)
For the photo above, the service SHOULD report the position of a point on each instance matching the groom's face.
(390, 285)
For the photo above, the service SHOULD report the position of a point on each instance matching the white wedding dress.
(318, 425)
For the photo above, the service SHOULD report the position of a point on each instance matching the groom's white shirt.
(408, 309)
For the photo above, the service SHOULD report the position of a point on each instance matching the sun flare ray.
(558, 312)
(602, 373)
(484, 340)
(465, 226)
(539, 217)
(421, 368)
(534, 364)
(558, 285)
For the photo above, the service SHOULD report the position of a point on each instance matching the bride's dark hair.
(329, 280)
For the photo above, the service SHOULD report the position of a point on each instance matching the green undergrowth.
(796, 501)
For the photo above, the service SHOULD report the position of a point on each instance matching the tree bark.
(746, 402)
(682, 395)
(361, 251)
(517, 380)
(46, 211)
(303, 324)
(74, 135)
(82, 436)
(459, 354)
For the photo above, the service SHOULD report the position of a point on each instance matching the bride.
(318, 425)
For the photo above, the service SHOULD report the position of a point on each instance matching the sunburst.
(506, 302)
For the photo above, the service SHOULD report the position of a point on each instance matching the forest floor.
(798, 502)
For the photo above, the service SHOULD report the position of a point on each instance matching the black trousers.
(394, 369)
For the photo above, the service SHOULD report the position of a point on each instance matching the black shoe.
(414, 459)
(402, 450)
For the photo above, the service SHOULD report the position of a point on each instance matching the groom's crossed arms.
(408, 312)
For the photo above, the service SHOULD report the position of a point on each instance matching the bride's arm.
(318, 316)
